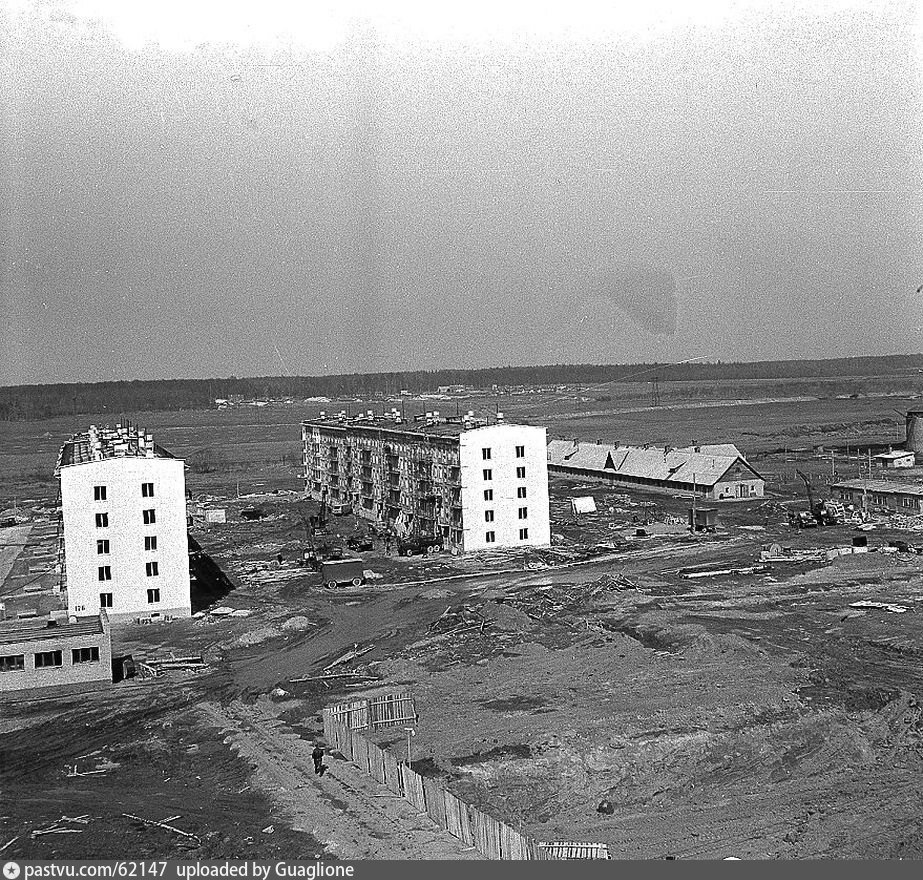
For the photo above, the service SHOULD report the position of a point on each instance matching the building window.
(150, 542)
(102, 520)
(150, 516)
(490, 537)
(488, 474)
(105, 573)
(151, 569)
(488, 516)
(485, 454)
(105, 600)
(488, 494)
(13, 663)
(102, 547)
(99, 493)
(523, 534)
(153, 596)
(147, 490)
(523, 512)
(521, 492)
(520, 473)
(84, 655)
(48, 659)
(520, 452)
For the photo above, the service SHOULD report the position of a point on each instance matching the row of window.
(520, 473)
(100, 493)
(150, 568)
(489, 493)
(49, 659)
(149, 516)
(485, 452)
(153, 597)
(523, 514)
(102, 545)
(491, 537)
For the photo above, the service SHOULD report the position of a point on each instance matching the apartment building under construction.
(476, 484)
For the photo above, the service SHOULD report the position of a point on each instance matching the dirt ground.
(591, 692)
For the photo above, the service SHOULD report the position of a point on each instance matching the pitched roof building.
(717, 473)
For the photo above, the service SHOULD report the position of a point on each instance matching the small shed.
(899, 458)
(216, 515)
(703, 519)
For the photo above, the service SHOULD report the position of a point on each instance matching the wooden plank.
(491, 836)
(413, 788)
(453, 810)
(435, 801)
(361, 751)
(376, 765)
(514, 846)
(393, 776)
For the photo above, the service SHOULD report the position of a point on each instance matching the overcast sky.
(199, 189)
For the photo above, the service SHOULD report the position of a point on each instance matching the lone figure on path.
(318, 756)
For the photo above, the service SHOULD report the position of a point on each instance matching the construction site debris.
(165, 826)
(884, 606)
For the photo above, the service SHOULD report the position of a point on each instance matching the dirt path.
(352, 814)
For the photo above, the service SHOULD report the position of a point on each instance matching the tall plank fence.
(489, 836)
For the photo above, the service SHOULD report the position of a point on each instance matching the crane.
(820, 511)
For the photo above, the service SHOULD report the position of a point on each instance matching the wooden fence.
(489, 836)
(391, 710)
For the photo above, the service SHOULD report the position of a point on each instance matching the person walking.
(318, 756)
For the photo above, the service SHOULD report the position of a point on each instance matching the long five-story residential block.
(478, 486)
(123, 502)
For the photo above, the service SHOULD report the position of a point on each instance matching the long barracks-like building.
(477, 485)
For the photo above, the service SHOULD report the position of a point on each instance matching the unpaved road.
(354, 816)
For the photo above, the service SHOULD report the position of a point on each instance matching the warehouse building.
(899, 497)
(479, 486)
(55, 651)
(715, 473)
(123, 504)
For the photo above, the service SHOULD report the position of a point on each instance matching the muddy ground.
(755, 715)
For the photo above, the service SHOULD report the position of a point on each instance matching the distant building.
(123, 502)
(55, 651)
(900, 458)
(716, 473)
(899, 497)
(479, 486)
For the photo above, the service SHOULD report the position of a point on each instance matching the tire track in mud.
(352, 814)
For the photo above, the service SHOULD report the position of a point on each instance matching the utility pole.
(410, 733)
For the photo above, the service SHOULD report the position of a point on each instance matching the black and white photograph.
(461, 432)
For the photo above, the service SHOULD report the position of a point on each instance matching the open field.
(754, 713)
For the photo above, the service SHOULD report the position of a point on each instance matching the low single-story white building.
(716, 473)
(899, 458)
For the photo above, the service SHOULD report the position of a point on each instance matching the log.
(163, 825)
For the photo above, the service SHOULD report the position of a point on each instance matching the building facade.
(714, 473)
(899, 497)
(123, 504)
(55, 651)
(479, 486)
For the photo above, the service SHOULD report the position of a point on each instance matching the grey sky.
(746, 188)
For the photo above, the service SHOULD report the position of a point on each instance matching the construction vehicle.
(342, 571)
(823, 513)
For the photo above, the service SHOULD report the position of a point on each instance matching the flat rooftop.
(451, 427)
(881, 486)
(38, 629)
(99, 444)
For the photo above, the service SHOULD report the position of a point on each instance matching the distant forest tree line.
(22, 402)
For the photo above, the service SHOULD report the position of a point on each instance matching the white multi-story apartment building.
(479, 486)
(123, 503)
